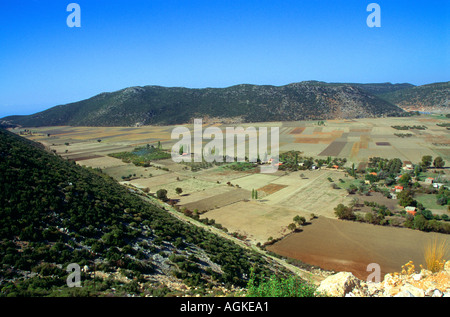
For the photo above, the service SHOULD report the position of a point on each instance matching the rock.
(391, 285)
(417, 277)
(429, 292)
(341, 284)
(447, 267)
(404, 293)
(414, 291)
(437, 293)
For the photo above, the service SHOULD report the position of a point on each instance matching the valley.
(222, 196)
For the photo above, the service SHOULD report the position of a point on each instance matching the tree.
(344, 212)
(352, 189)
(406, 199)
(299, 220)
(420, 222)
(178, 190)
(426, 161)
(405, 179)
(438, 162)
(162, 194)
(292, 226)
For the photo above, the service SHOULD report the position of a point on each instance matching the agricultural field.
(226, 195)
(347, 246)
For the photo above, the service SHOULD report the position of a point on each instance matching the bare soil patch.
(297, 131)
(271, 188)
(348, 246)
(383, 143)
(333, 149)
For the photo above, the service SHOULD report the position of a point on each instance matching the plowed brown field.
(339, 245)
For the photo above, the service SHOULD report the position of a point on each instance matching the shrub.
(435, 253)
(292, 286)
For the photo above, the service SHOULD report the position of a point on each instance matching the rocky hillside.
(55, 213)
(432, 97)
(242, 103)
(408, 283)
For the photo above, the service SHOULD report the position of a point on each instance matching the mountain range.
(308, 100)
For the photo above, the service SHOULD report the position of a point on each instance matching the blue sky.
(212, 43)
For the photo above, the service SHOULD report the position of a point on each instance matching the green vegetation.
(142, 156)
(407, 127)
(294, 161)
(431, 95)
(403, 135)
(387, 176)
(275, 286)
(55, 212)
(155, 105)
(240, 166)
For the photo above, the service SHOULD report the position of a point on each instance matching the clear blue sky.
(212, 43)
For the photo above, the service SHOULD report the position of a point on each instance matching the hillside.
(432, 97)
(383, 88)
(155, 105)
(54, 213)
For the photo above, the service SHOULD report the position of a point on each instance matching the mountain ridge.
(159, 105)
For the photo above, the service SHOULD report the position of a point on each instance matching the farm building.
(411, 210)
(407, 165)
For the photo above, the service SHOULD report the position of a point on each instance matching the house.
(407, 165)
(429, 180)
(335, 166)
(437, 185)
(393, 195)
(373, 173)
(411, 210)
(398, 189)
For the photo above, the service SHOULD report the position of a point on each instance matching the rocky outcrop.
(408, 283)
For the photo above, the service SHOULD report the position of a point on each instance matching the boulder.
(414, 291)
(341, 284)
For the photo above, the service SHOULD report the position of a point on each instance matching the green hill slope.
(157, 105)
(54, 212)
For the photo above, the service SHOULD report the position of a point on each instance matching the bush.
(274, 286)
(435, 252)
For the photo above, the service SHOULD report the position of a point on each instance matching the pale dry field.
(255, 220)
